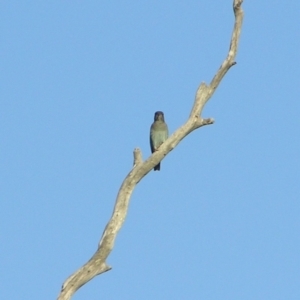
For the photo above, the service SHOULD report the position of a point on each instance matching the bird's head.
(159, 116)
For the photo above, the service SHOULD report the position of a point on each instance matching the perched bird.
(158, 133)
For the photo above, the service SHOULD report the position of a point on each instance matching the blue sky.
(80, 82)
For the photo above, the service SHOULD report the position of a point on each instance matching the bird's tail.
(157, 167)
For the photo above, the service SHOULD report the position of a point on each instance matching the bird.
(158, 133)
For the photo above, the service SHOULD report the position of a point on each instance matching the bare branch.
(229, 61)
(97, 264)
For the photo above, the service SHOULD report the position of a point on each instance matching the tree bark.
(97, 263)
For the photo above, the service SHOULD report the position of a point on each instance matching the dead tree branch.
(97, 264)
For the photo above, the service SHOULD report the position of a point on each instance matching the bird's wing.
(151, 139)
(166, 132)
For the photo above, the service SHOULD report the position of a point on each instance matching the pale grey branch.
(97, 264)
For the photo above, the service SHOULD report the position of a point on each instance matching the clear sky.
(80, 82)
